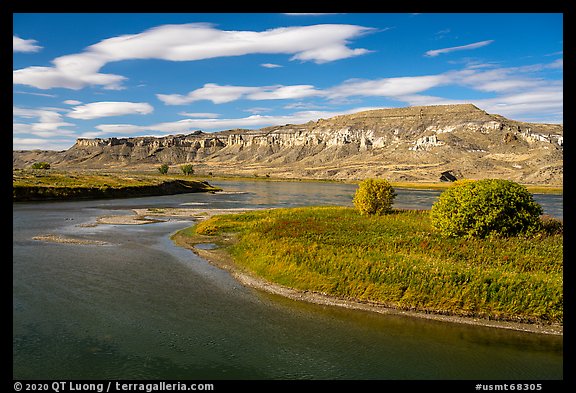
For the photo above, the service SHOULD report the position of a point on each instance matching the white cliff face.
(426, 143)
(321, 134)
(464, 128)
(530, 136)
(402, 144)
(325, 135)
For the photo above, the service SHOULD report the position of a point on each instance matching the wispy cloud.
(191, 42)
(270, 65)
(509, 85)
(72, 102)
(19, 143)
(25, 46)
(205, 115)
(308, 13)
(253, 121)
(436, 52)
(35, 94)
(96, 110)
(385, 87)
(47, 122)
(220, 94)
(214, 92)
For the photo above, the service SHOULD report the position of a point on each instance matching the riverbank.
(40, 185)
(419, 185)
(286, 271)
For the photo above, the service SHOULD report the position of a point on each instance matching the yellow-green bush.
(374, 197)
(486, 208)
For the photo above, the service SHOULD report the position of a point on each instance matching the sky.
(102, 75)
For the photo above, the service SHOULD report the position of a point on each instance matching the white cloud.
(270, 65)
(208, 115)
(49, 122)
(495, 80)
(35, 94)
(75, 79)
(253, 121)
(284, 92)
(219, 94)
(436, 52)
(309, 13)
(542, 104)
(97, 110)
(539, 102)
(387, 87)
(557, 64)
(121, 129)
(41, 143)
(190, 42)
(423, 100)
(257, 110)
(72, 102)
(25, 46)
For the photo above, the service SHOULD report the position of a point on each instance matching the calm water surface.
(142, 308)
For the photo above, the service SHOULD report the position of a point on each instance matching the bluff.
(403, 144)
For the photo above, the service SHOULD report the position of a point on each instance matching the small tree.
(163, 169)
(485, 208)
(187, 169)
(40, 165)
(374, 197)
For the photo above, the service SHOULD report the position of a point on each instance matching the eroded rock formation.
(414, 143)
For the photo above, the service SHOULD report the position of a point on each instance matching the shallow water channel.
(141, 308)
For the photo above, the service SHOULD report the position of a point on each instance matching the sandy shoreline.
(51, 238)
(143, 216)
(221, 259)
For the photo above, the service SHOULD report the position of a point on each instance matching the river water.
(142, 308)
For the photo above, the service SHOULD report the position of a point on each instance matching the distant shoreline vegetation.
(19, 177)
(396, 260)
(41, 185)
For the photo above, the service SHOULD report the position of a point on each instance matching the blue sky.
(96, 75)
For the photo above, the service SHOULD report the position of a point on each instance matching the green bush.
(40, 165)
(486, 208)
(551, 225)
(163, 169)
(374, 197)
(187, 169)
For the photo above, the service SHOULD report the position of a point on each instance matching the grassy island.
(35, 185)
(395, 260)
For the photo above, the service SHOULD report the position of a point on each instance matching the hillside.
(403, 144)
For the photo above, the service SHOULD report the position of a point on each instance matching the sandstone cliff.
(412, 144)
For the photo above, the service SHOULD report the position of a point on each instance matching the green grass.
(56, 184)
(397, 260)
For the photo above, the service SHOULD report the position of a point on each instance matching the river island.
(333, 256)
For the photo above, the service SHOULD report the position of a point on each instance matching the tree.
(40, 165)
(187, 169)
(485, 208)
(374, 197)
(163, 169)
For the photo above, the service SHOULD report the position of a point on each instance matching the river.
(142, 308)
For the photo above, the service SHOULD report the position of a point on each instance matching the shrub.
(163, 169)
(486, 208)
(374, 197)
(551, 225)
(40, 165)
(187, 169)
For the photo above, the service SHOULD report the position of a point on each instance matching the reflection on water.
(145, 309)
